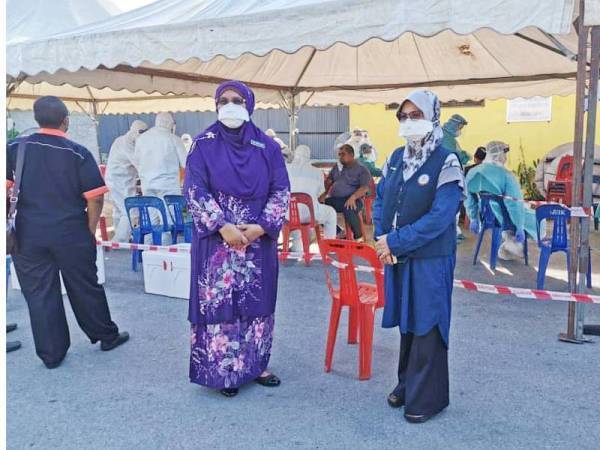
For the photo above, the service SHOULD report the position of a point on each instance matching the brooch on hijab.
(257, 144)
(423, 179)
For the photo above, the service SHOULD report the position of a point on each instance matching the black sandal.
(268, 380)
(396, 399)
(229, 392)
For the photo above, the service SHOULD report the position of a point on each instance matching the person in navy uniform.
(414, 215)
(58, 208)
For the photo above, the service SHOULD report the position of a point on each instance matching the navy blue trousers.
(350, 215)
(37, 266)
(423, 373)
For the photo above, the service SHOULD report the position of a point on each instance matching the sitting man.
(366, 159)
(346, 187)
(492, 177)
(306, 178)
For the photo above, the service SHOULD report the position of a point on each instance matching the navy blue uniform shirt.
(59, 176)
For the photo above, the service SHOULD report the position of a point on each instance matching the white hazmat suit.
(121, 177)
(306, 178)
(187, 141)
(160, 154)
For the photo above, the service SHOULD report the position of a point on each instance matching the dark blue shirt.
(59, 176)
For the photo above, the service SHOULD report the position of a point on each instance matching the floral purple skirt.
(228, 355)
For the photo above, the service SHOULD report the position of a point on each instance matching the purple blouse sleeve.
(273, 214)
(207, 214)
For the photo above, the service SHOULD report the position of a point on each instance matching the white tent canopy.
(319, 52)
(38, 19)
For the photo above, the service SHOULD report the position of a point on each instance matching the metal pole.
(574, 233)
(293, 114)
(588, 172)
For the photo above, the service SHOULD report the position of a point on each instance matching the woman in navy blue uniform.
(418, 198)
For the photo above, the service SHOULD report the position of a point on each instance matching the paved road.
(513, 385)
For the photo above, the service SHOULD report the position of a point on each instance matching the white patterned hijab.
(416, 154)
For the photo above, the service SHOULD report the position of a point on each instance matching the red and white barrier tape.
(464, 284)
(144, 247)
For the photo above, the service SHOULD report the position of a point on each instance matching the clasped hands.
(383, 251)
(242, 235)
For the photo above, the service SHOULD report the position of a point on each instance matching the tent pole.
(293, 115)
(574, 309)
(588, 173)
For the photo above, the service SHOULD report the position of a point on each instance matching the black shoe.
(268, 380)
(420, 418)
(396, 397)
(11, 327)
(52, 365)
(120, 339)
(12, 346)
(230, 392)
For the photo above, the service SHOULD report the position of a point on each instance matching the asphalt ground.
(513, 384)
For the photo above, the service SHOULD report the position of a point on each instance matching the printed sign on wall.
(534, 109)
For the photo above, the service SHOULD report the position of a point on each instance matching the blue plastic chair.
(176, 205)
(489, 222)
(143, 204)
(559, 242)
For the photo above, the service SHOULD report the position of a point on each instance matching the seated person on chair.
(494, 178)
(306, 178)
(346, 186)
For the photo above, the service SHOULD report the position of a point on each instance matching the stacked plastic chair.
(143, 204)
(176, 205)
(295, 224)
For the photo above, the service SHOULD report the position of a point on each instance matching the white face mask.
(415, 130)
(232, 115)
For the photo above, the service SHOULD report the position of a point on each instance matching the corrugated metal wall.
(318, 126)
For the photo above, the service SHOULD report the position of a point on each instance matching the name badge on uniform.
(257, 144)
(423, 180)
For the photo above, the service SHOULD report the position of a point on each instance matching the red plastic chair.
(561, 189)
(565, 169)
(362, 299)
(369, 199)
(102, 221)
(294, 223)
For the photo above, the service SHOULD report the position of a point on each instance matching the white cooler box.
(167, 274)
(14, 281)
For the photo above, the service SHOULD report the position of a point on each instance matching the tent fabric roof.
(329, 52)
(231, 28)
(37, 19)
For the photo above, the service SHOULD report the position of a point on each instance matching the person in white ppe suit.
(493, 177)
(160, 154)
(287, 153)
(187, 141)
(306, 178)
(121, 177)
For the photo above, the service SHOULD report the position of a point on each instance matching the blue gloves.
(475, 226)
(520, 236)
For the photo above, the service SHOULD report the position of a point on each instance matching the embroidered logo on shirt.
(209, 135)
(257, 144)
(423, 179)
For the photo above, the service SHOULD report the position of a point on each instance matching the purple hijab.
(234, 150)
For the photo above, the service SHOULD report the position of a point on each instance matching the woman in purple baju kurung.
(237, 189)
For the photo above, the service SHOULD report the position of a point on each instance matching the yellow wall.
(486, 123)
